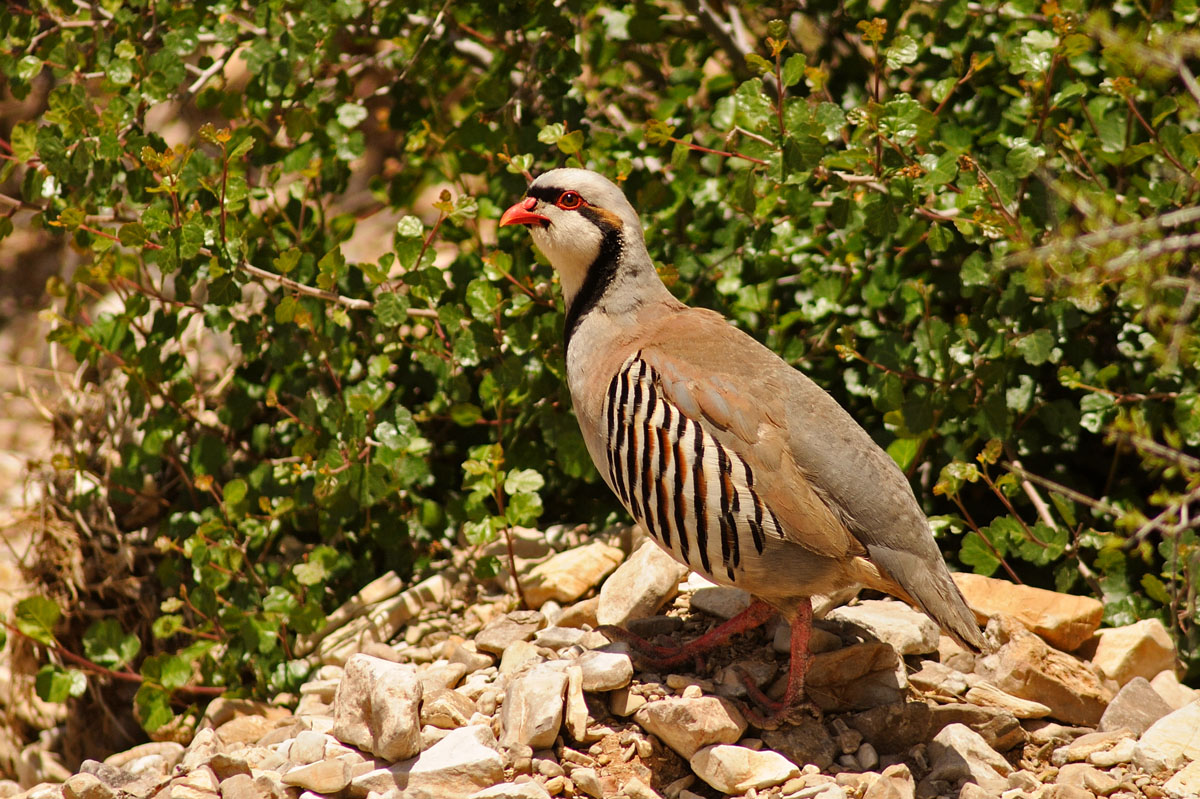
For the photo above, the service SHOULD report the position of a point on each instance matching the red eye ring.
(569, 200)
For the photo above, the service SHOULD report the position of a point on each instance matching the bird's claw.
(654, 654)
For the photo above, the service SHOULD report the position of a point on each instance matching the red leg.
(800, 657)
(756, 615)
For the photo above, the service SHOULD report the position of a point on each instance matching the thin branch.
(1043, 510)
(1183, 216)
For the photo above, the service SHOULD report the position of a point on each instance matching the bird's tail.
(929, 587)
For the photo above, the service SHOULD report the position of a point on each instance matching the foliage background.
(306, 355)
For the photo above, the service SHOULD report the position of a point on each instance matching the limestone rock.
(1185, 784)
(1027, 667)
(377, 707)
(896, 782)
(575, 710)
(86, 786)
(639, 586)
(569, 575)
(895, 623)
(958, 753)
(686, 725)
(1142, 649)
(1086, 746)
(533, 707)
(606, 669)
(900, 726)
(1167, 685)
(517, 656)
(720, 601)
(803, 742)
(624, 702)
(1087, 776)
(307, 747)
(1171, 741)
(513, 790)
(446, 708)
(860, 676)
(241, 786)
(938, 678)
(459, 765)
(441, 674)
(1064, 621)
(736, 769)
(324, 776)
(503, 631)
(1135, 707)
(987, 695)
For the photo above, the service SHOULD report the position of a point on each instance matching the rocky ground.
(435, 691)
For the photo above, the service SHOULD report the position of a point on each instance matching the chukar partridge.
(735, 463)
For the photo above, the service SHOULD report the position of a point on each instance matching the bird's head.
(582, 223)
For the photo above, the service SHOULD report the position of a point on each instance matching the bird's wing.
(835, 491)
(735, 389)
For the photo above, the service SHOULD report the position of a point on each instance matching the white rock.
(575, 711)
(1142, 649)
(377, 707)
(307, 747)
(639, 586)
(324, 776)
(569, 575)
(736, 769)
(456, 767)
(606, 669)
(720, 601)
(959, 753)
(1176, 694)
(686, 725)
(1186, 783)
(533, 707)
(895, 623)
(513, 790)
(1171, 741)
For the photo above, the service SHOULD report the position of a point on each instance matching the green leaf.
(310, 573)
(523, 509)
(903, 51)
(1038, 347)
(1156, 589)
(234, 493)
(286, 261)
(350, 114)
(29, 67)
(523, 480)
(36, 617)
(551, 133)
(410, 227)
(1023, 158)
(976, 554)
(571, 143)
(153, 707)
(793, 69)
(391, 309)
(120, 72)
(56, 684)
(107, 644)
(904, 451)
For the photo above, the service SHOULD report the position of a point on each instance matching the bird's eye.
(569, 201)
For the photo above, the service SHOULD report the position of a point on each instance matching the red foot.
(778, 711)
(666, 656)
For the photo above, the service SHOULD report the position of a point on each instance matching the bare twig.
(1043, 510)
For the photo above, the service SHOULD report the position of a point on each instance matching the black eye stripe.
(549, 194)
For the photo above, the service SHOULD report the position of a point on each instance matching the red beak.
(521, 213)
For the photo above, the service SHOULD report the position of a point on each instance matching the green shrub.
(972, 226)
